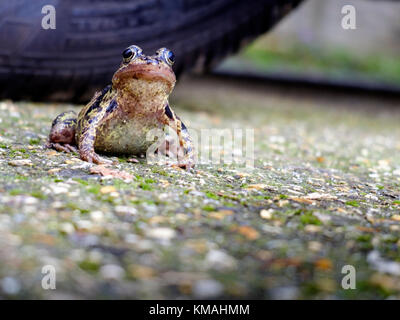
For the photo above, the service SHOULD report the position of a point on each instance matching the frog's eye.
(131, 53)
(167, 55)
(128, 54)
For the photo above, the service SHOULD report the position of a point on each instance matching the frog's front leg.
(86, 147)
(187, 160)
(88, 123)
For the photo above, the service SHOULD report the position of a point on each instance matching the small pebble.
(267, 214)
(161, 233)
(67, 227)
(112, 272)
(220, 260)
(10, 285)
(97, 216)
(207, 289)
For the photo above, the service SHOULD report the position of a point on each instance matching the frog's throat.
(142, 90)
(144, 72)
(142, 95)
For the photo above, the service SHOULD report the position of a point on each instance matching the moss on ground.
(324, 193)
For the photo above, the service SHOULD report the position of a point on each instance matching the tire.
(79, 56)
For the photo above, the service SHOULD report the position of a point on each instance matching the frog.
(118, 118)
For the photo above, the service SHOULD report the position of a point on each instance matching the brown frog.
(117, 119)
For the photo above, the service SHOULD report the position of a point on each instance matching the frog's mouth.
(145, 72)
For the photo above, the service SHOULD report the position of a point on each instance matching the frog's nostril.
(151, 61)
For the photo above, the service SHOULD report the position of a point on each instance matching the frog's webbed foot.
(64, 147)
(93, 157)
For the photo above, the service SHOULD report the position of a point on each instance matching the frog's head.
(140, 74)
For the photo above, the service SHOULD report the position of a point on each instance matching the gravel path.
(324, 193)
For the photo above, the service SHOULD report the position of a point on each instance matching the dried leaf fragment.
(103, 171)
(249, 232)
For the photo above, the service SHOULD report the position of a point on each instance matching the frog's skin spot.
(70, 122)
(182, 124)
(96, 104)
(67, 117)
(168, 112)
(112, 106)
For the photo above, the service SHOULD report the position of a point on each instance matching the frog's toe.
(95, 158)
(71, 148)
(86, 157)
(92, 157)
(100, 160)
(60, 147)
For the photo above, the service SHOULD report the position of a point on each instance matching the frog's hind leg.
(62, 133)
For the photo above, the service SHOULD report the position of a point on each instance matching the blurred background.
(310, 44)
(298, 42)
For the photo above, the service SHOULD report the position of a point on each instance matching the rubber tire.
(79, 56)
